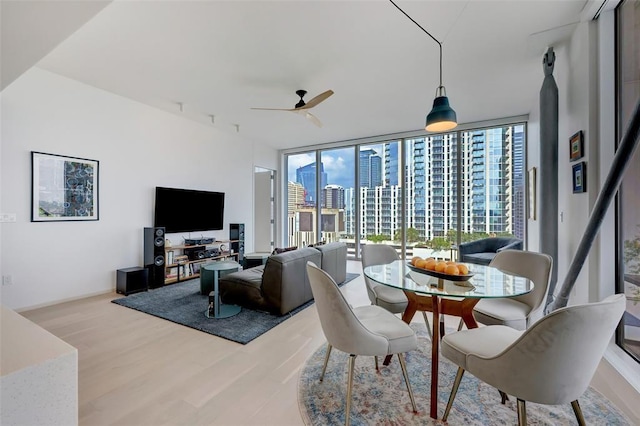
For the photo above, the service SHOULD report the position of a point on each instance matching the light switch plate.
(7, 217)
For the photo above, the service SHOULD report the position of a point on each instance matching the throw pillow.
(279, 250)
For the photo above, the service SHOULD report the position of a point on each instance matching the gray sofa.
(483, 251)
(281, 284)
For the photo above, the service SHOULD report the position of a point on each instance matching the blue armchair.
(483, 251)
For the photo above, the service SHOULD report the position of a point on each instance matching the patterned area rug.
(382, 398)
(183, 304)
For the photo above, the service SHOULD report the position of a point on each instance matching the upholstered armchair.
(483, 251)
(552, 362)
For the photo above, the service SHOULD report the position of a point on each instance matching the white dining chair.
(392, 299)
(521, 311)
(552, 362)
(364, 330)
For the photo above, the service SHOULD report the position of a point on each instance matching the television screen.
(187, 210)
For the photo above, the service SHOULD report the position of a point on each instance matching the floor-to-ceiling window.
(302, 198)
(338, 201)
(379, 189)
(422, 194)
(628, 46)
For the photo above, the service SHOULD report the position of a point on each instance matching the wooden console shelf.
(180, 268)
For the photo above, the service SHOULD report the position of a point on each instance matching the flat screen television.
(188, 210)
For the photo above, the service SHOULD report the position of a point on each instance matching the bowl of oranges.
(448, 270)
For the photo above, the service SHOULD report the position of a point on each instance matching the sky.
(338, 164)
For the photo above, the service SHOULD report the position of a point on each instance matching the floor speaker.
(154, 255)
(132, 280)
(236, 235)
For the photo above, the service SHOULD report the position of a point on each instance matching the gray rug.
(183, 304)
(382, 398)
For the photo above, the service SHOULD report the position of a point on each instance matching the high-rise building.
(391, 163)
(333, 197)
(295, 195)
(370, 168)
(306, 175)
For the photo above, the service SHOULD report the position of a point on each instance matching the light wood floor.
(135, 369)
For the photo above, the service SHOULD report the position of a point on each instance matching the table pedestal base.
(224, 311)
(438, 306)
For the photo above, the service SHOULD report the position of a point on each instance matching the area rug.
(382, 398)
(183, 304)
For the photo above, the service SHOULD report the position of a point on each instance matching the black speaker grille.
(159, 260)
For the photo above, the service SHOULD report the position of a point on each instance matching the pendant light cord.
(427, 32)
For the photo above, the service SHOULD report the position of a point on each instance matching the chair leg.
(352, 363)
(460, 324)
(326, 360)
(522, 412)
(403, 365)
(454, 390)
(504, 397)
(426, 321)
(376, 359)
(578, 412)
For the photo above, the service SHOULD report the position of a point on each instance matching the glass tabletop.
(486, 281)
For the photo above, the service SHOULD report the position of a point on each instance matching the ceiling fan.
(303, 107)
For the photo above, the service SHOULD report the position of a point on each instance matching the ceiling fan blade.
(275, 109)
(312, 118)
(315, 101)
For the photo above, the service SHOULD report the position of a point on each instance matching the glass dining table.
(444, 294)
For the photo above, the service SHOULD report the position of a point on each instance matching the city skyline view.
(488, 190)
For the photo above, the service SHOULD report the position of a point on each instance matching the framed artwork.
(532, 193)
(579, 172)
(576, 146)
(63, 188)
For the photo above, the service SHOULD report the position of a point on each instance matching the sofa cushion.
(244, 288)
(285, 284)
(334, 260)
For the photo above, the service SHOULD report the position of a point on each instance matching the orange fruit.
(420, 263)
(451, 270)
(440, 266)
(414, 259)
(430, 264)
(429, 259)
(463, 269)
(450, 262)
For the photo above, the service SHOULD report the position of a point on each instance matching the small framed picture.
(579, 177)
(576, 146)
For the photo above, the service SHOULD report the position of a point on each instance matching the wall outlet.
(7, 280)
(7, 217)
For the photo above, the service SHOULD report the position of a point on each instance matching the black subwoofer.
(154, 255)
(132, 280)
(236, 235)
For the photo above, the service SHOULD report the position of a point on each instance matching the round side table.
(212, 272)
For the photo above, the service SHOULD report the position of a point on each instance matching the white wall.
(577, 75)
(139, 148)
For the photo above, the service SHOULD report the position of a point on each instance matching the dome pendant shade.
(442, 117)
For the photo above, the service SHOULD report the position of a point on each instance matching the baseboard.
(69, 299)
(628, 368)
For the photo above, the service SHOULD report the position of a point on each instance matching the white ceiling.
(223, 57)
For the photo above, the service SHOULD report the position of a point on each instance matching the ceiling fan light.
(442, 117)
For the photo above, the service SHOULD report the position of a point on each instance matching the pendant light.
(442, 117)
